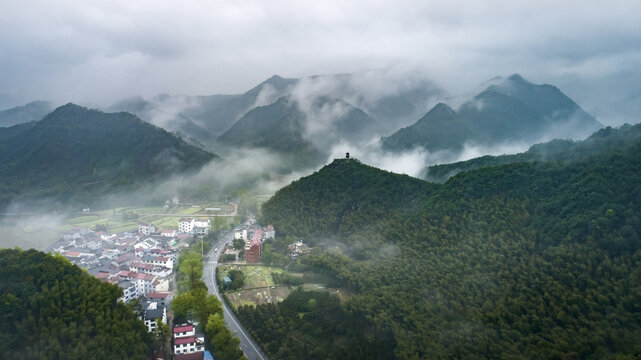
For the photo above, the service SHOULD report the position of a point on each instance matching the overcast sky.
(100, 51)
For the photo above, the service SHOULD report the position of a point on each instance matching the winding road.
(247, 344)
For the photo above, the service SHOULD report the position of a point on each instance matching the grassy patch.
(126, 226)
(189, 210)
(260, 296)
(259, 286)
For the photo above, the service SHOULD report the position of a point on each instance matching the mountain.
(522, 260)
(512, 110)
(278, 126)
(32, 111)
(203, 118)
(552, 151)
(390, 100)
(219, 112)
(52, 309)
(284, 128)
(439, 129)
(339, 196)
(76, 154)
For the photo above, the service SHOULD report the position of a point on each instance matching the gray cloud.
(97, 52)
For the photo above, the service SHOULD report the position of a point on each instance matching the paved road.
(247, 344)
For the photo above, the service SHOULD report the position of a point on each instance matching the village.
(142, 262)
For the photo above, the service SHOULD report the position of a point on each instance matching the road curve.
(247, 344)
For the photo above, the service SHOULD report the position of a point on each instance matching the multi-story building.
(253, 247)
(146, 228)
(152, 313)
(186, 341)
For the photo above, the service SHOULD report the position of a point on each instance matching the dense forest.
(537, 260)
(558, 150)
(51, 309)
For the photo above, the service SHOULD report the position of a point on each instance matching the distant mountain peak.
(67, 110)
(517, 78)
(274, 78)
(442, 107)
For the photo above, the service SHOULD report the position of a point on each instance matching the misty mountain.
(522, 260)
(439, 129)
(219, 112)
(160, 110)
(391, 101)
(76, 154)
(557, 150)
(202, 118)
(512, 110)
(32, 111)
(284, 128)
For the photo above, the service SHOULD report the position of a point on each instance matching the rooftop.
(185, 340)
(183, 328)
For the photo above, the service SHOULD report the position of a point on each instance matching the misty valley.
(349, 216)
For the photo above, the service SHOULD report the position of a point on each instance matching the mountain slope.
(336, 199)
(524, 260)
(75, 153)
(282, 127)
(221, 117)
(551, 151)
(513, 110)
(439, 129)
(52, 309)
(32, 111)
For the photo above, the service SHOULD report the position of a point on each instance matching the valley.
(515, 255)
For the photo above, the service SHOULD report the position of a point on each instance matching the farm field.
(259, 287)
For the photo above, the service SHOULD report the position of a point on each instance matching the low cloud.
(26, 229)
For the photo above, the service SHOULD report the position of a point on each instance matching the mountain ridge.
(512, 110)
(75, 153)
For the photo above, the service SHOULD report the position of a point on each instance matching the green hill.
(76, 155)
(524, 260)
(552, 151)
(51, 309)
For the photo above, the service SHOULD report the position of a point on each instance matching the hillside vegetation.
(51, 309)
(525, 260)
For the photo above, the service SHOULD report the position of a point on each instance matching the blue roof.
(226, 279)
(207, 355)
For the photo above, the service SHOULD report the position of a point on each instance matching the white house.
(168, 233)
(146, 228)
(129, 290)
(240, 233)
(270, 232)
(152, 312)
(194, 226)
(185, 225)
(186, 341)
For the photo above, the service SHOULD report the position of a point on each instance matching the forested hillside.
(525, 260)
(51, 309)
(76, 155)
(557, 150)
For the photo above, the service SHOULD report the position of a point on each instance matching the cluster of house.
(298, 249)
(254, 236)
(185, 226)
(140, 263)
(188, 345)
